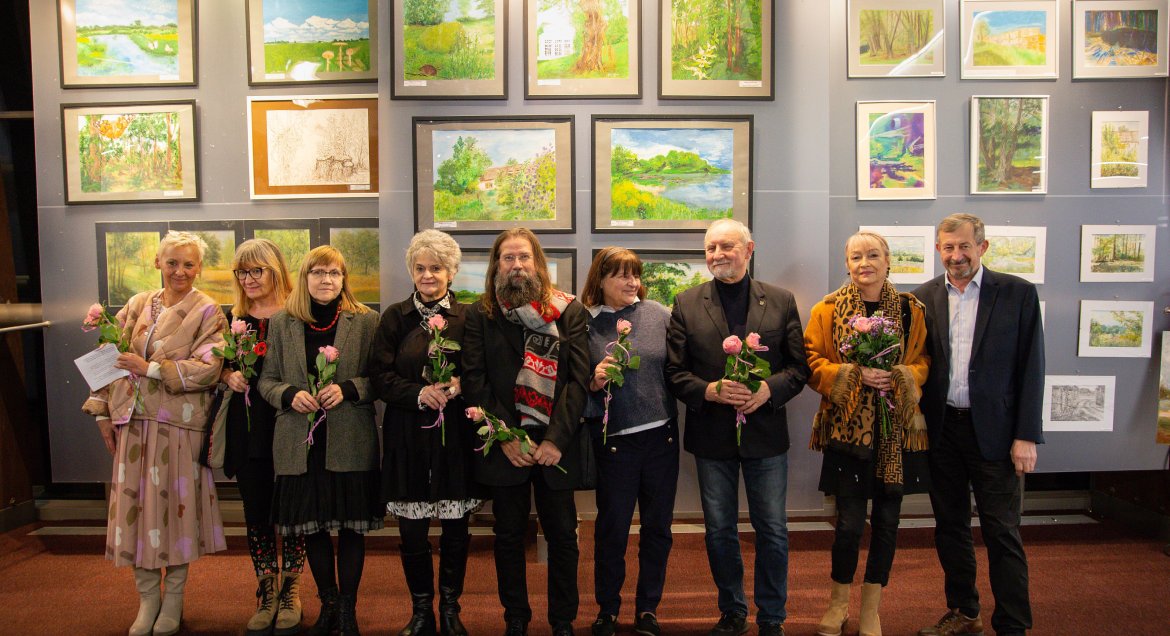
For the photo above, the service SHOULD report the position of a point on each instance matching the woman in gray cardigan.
(325, 448)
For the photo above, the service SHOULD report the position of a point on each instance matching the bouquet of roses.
(623, 355)
(440, 368)
(874, 342)
(745, 367)
(242, 348)
(495, 430)
(109, 330)
(326, 364)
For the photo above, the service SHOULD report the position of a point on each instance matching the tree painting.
(907, 254)
(1121, 38)
(361, 250)
(1008, 38)
(449, 39)
(292, 242)
(130, 152)
(716, 40)
(1011, 133)
(130, 265)
(1164, 395)
(495, 174)
(671, 173)
(127, 37)
(1011, 254)
(1118, 253)
(1077, 403)
(894, 36)
(306, 37)
(897, 150)
(666, 278)
(582, 39)
(318, 146)
(1108, 328)
(1120, 141)
(216, 279)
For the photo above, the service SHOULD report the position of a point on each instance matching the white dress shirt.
(963, 307)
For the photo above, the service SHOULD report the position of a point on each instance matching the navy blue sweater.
(644, 397)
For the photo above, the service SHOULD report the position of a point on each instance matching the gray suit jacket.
(352, 443)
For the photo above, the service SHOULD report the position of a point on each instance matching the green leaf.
(250, 358)
(729, 368)
(525, 446)
(483, 430)
(451, 345)
(619, 380)
(635, 362)
(754, 385)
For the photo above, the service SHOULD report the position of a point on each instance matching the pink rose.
(474, 413)
(624, 326)
(862, 324)
(239, 327)
(94, 314)
(753, 341)
(732, 345)
(331, 353)
(437, 322)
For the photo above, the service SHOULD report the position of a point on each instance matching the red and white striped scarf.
(537, 380)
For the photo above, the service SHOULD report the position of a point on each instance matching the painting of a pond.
(127, 42)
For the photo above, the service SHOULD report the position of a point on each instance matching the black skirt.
(846, 475)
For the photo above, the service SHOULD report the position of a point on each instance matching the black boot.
(327, 620)
(452, 567)
(420, 580)
(347, 616)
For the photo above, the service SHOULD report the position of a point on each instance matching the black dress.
(248, 450)
(425, 473)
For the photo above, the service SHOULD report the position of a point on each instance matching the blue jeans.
(767, 488)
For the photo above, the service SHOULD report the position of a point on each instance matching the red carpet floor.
(1086, 579)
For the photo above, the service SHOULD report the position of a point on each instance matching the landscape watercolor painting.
(896, 154)
(494, 175)
(312, 40)
(1120, 149)
(896, 38)
(1017, 250)
(1117, 253)
(715, 49)
(127, 42)
(449, 39)
(911, 251)
(671, 173)
(1007, 39)
(1124, 38)
(360, 247)
(294, 244)
(469, 281)
(1115, 329)
(665, 275)
(129, 265)
(1009, 142)
(582, 39)
(1164, 392)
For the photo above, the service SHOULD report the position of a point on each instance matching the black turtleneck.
(323, 316)
(734, 298)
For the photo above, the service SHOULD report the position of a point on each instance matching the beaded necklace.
(330, 325)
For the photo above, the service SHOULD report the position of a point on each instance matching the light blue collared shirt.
(963, 307)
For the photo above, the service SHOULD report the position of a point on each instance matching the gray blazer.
(352, 443)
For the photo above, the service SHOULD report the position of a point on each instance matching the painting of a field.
(1017, 250)
(1121, 38)
(449, 39)
(586, 39)
(671, 173)
(304, 40)
(911, 251)
(127, 37)
(716, 40)
(494, 175)
(1115, 328)
(130, 266)
(360, 247)
(1164, 392)
(1009, 145)
(895, 36)
(907, 255)
(130, 152)
(294, 244)
(1119, 253)
(666, 275)
(1009, 38)
(217, 279)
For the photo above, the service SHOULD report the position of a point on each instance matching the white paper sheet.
(97, 367)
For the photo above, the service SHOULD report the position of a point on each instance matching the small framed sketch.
(1116, 328)
(911, 251)
(449, 50)
(879, 48)
(486, 174)
(294, 238)
(1009, 144)
(313, 146)
(216, 278)
(1120, 149)
(108, 43)
(310, 41)
(469, 281)
(582, 49)
(667, 173)
(1078, 403)
(125, 255)
(1117, 253)
(1009, 39)
(896, 150)
(357, 240)
(130, 153)
(1119, 38)
(1164, 392)
(716, 49)
(1016, 250)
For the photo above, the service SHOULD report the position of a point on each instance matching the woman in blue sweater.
(636, 445)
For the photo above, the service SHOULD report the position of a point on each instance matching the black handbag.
(211, 452)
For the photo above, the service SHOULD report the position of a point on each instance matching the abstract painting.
(1009, 39)
(1119, 38)
(1078, 403)
(582, 49)
(299, 41)
(1016, 250)
(715, 49)
(1116, 328)
(1009, 144)
(1117, 253)
(911, 251)
(108, 43)
(449, 49)
(1120, 149)
(896, 153)
(897, 38)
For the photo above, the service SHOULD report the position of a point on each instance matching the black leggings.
(414, 532)
(351, 557)
(882, 541)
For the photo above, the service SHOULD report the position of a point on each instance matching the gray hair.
(745, 235)
(439, 245)
(957, 220)
(175, 238)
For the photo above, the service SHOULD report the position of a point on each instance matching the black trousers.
(883, 540)
(957, 468)
(640, 468)
(557, 512)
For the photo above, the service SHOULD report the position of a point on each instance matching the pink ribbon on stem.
(440, 421)
(309, 439)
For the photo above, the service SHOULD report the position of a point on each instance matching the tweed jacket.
(352, 443)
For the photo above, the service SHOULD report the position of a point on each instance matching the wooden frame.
(136, 53)
(549, 37)
(419, 73)
(1120, 149)
(129, 245)
(1078, 403)
(298, 47)
(912, 254)
(927, 59)
(1107, 329)
(718, 149)
(897, 150)
(1101, 261)
(359, 241)
(156, 158)
(700, 75)
(1009, 39)
(1017, 250)
(1131, 54)
(469, 282)
(505, 185)
(313, 146)
(1019, 178)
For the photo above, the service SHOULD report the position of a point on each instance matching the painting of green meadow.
(305, 37)
(495, 174)
(1009, 38)
(127, 37)
(130, 265)
(907, 254)
(1011, 254)
(449, 39)
(716, 40)
(130, 152)
(359, 246)
(585, 39)
(671, 173)
(292, 242)
(1109, 328)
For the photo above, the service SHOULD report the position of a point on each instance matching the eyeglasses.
(255, 273)
(511, 259)
(321, 273)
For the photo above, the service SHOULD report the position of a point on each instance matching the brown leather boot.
(833, 622)
(954, 623)
(871, 597)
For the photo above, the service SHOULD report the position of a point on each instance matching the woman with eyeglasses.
(325, 447)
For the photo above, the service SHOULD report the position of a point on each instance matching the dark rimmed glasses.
(255, 273)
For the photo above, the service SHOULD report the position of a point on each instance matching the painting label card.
(911, 251)
(452, 50)
(715, 49)
(1119, 38)
(108, 43)
(1116, 329)
(1120, 149)
(307, 41)
(1010, 39)
(896, 150)
(892, 38)
(582, 49)
(1017, 250)
(1078, 403)
(1117, 253)
(1009, 144)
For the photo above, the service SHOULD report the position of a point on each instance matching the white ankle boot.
(170, 616)
(148, 601)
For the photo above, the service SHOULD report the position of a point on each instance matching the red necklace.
(330, 325)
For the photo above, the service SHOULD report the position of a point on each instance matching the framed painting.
(306, 41)
(1163, 436)
(1009, 39)
(358, 241)
(897, 38)
(1078, 403)
(911, 252)
(1116, 328)
(111, 43)
(1117, 253)
(896, 150)
(293, 237)
(670, 173)
(1120, 149)
(125, 260)
(582, 49)
(449, 50)
(130, 153)
(1119, 38)
(313, 146)
(469, 281)
(1009, 144)
(1017, 250)
(486, 174)
(222, 237)
(716, 49)
(668, 273)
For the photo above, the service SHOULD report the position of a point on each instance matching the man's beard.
(516, 289)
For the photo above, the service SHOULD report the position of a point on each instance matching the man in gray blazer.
(982, 402)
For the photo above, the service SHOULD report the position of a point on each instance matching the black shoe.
(516, 627)
(347, 616)
(646, 624)
(729, 625)
(605, 625)
(771, 629)
(563, 629)
(327, 620)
